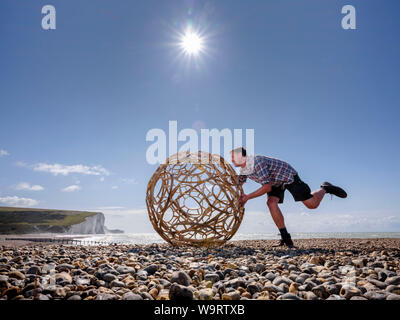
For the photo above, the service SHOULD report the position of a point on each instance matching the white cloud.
(72, 188)
(110, 208)
(102, 179)
(60, 169)
(114, 187)
(17, 201)
(3, 153)
(27, 186)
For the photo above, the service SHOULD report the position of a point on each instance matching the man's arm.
(258, 193)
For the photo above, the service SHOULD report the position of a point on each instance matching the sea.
(149, 238)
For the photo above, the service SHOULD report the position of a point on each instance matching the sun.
(191, 43)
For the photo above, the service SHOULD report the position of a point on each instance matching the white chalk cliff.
(92, 225)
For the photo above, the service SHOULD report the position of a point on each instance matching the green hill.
(28, 220)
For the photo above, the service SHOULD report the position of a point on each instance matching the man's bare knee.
(272, 202)
(310, 205)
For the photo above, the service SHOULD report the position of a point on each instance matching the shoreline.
(309, 241)
(20, 243)
(317, 269)
(299, 242)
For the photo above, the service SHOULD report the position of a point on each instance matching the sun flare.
(191, 43)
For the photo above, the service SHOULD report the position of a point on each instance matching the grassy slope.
(25, 220)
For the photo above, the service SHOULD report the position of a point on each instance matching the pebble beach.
(317, 269)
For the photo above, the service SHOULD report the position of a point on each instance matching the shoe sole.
(335, 190)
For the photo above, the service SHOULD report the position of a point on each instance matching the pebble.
(320, 291)
(64, 278)
(146, 296)
(335, 297)
(81, 281)
(316, 260)
(151, 269)
(117, 283)
(348, 291)
(278, 280)
(270, 276)
(142, 275)
(17, 275)
(180, 292)
(358, 298)
(309, 295)
(106, 296)
(60, 293)
(333, 288)
(154, 293)
(3, 282)
(11, 292)
(109, 277)
(252, 288)
(131, 296)
(206, 294)
(33, 270)
(294, 287)
(378, 284)
(288, 296)
(181, 277)
(233, 295)
(163, 294)
(301, 278)
(393, 289)
(393, 280)
(373, 295)
(259, 268)
(236, 283)
(213, 277)
(42, 297)
(125, 269)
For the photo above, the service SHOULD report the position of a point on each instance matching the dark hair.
(240, 150)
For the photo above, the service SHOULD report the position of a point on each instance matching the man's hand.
(243, 199)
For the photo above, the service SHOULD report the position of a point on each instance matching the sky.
(77, 102)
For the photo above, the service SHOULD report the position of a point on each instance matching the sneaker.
(335, 190)
(286, 241)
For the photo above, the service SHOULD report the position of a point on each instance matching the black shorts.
(299, 190)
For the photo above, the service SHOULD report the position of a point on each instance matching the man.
(276, 176)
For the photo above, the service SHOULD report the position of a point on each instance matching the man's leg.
(276, 213)
(277, 216)
(314, 202)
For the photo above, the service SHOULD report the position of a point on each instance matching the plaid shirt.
(266, 170)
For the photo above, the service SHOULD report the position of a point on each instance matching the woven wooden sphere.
(193, 199)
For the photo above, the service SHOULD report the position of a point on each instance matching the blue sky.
(84, 96)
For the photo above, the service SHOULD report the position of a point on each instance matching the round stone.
(181, 277)
(179, 292)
